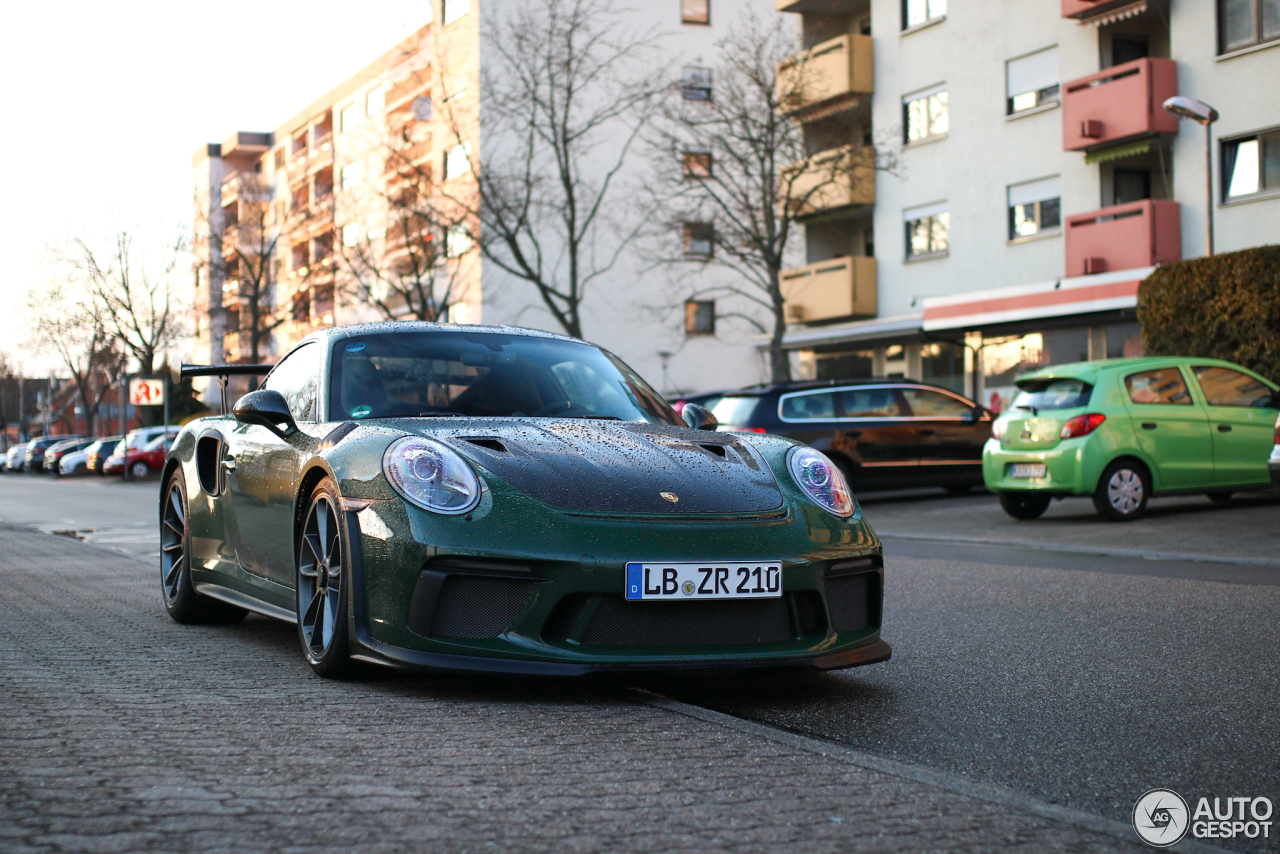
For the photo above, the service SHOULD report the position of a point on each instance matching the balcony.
(1084, 9)
(841, 287)
(1119, 102)
(833, 69)
(1123, 237)
(840, 178)
(821, 7)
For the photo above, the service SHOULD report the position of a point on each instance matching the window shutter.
(1035, 191)
(922, 211)
(1032, 73)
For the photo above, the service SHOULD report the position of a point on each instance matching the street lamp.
(1199, 111)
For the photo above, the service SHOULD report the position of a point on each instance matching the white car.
(14, 459)
(76, 462)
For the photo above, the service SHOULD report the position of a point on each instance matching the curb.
(1087, 550)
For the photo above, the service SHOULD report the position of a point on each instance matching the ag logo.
(1160, 817)
(670, 496)
(687, 587)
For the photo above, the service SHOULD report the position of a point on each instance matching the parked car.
(1273, 464)
(77, 462)
(54, 455)
(506, 500)
(1127, 429)
(99, 452)
(37, 448)
(151, 458)
(884, 434)
(134, 441)
(14, 458)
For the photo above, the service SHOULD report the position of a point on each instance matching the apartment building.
(277, 210)
(1039, 178)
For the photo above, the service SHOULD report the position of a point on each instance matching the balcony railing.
(1123, 237)
(842, 66)
(1119, 102)
(839, 178)
(841, 287)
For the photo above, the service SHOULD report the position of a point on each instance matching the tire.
(1222, 496)
(320, 568)
(1122, 491)
(139, 470)
(1024, 507)
(181, 600)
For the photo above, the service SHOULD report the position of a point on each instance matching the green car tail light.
(1082, 425)
(431, 476)
(821, 480)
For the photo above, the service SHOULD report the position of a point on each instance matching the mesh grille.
(617, 622)
(847, 598)
(473, 606)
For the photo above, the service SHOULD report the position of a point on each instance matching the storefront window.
(1124, 341)
(942, 363)
(850, 365)
(1005, 359)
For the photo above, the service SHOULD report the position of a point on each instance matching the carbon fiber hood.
(617, 467)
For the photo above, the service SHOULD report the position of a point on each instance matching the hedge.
(1224, 307)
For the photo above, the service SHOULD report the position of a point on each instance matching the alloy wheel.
(173, 533)
(1125, 491)
(320, 578)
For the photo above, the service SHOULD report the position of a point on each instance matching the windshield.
(1035, 395)
(486, 374)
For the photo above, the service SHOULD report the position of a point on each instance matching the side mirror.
(265, 408)
(699, 417)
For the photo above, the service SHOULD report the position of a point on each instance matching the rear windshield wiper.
(1024, 406)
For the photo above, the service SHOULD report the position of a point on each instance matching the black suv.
(885, 434)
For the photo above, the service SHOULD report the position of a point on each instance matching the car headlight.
(821, 480)
(430, 476)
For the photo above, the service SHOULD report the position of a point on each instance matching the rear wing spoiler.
(223, 373)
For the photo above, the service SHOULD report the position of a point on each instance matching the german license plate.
(1027, 470)
(712, 580)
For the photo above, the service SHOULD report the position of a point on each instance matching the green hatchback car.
(1124, 430)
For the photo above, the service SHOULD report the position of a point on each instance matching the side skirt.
(235, 597)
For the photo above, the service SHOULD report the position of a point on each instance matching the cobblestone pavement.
(122, 731)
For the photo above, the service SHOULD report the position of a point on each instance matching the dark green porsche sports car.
(500, 499)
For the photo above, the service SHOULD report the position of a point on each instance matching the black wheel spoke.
(173, 538)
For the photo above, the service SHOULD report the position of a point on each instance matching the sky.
(107, 102)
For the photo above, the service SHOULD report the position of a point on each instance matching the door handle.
(229, 464)
(1148, 425)
(1224, 428)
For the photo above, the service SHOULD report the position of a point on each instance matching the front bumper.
(554, 595)
(1065, 470)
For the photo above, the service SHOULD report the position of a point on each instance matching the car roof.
(1088, 370)
(764, 389)
(390, 326)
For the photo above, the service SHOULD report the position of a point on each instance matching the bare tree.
(733, 175)
(137, 301)
(567, 96)
(71, 325)
(246, 252)
(417, 265)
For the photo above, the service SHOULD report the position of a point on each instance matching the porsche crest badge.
(670, 496)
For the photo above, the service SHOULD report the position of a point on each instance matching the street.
(1032, 697)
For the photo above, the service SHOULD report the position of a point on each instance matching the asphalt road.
(1074, 679)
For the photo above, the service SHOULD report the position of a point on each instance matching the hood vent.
(491, 444)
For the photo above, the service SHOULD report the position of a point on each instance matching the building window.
(697, 164)
(454, 9)
(1243, 23)
(301, 306)
(917, 12)
(350, 117)
(924, 114)
(1031, 80)
(374, 102)
(1035, 207)
(928, 230)
(699, 240)
(700, 317)
(1251, 164)
(350, 234)
(457, 241)
(457, 161)
(695, 84)
(695, 11)
(350, 175)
